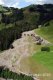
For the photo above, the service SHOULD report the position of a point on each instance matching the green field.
(44, 58)
(42, 62)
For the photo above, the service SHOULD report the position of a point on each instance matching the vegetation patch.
(7, 74)
(46, 32)
(45, 49)
(44, 58)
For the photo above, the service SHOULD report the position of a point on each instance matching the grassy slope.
(2, 8)
(3, 26)
(42, 63)
(46, 32)
(45, 58)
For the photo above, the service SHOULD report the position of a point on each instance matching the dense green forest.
(14, 21)
(7, 74)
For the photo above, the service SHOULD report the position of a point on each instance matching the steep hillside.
(3, 9)
(16, 21)
(25, 55)
(46, 31)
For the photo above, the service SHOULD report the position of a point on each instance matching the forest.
(14, 21)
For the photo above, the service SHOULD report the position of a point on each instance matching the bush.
(8, 75)
(45, 49)
(38, 43)
(47, 24)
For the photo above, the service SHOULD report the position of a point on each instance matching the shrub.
(9, 75)
(47, 24)
(45, 49)
(38, 43)
(11, 46)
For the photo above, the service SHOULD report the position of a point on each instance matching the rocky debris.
(28, 33)
(39, 40)
(11, 46)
